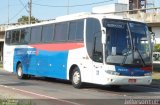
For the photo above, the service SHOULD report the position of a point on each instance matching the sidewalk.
(156, 75)
(155, 84)
(156, 80)
(156, 66)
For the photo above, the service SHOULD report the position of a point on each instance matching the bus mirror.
(152, 37)
(152, 34)
(104, 36)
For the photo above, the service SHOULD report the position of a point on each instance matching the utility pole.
(8, 11)
(30, 11)
(68, 8)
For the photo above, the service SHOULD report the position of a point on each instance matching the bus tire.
(19, 72)
(76, 78)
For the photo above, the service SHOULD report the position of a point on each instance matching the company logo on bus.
(31, 52)
(132, 73)
(115, 25)
(122, 69)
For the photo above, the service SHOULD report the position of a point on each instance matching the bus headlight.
(147, 74)
(112, 72)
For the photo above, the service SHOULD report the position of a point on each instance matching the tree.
(24, 20)
(157, 48)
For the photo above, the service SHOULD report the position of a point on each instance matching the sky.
(46, 9)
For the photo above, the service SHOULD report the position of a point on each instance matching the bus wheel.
(76, 78)
(20, 74)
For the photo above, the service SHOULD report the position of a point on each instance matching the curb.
(155, 84)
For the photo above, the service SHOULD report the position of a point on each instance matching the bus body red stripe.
(57, 46)
(147, 68)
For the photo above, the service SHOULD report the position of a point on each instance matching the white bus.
(83, 48)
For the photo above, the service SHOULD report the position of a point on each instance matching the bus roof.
(76, 16)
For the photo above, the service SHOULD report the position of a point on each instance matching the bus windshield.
(127, 43)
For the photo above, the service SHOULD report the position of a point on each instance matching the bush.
(157, 48)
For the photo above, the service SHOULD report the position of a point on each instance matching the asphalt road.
(42, 91)
(156, 66)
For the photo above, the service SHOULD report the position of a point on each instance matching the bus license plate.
(132, 81)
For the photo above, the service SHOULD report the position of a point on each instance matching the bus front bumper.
(125, 80)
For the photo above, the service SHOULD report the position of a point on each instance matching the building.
(2, 32)
(155, 27)
(138, 4)
(151, 18)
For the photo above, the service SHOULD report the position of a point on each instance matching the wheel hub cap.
(76, 77)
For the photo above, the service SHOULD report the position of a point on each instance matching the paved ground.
(156, 75)
(156, 65)
(58, 92)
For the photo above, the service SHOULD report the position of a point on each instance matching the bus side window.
(25, 36)
(97, 51)
(61, 31)
(72, 31)
(8, 37)
(15, 36)
(80, 30)
(93, 39)
(36, 34)
(76, 29)
(48, 33)
(22, 36)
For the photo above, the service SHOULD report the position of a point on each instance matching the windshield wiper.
(136, 49)
(129, 46)
(132, 49)
(125, 56)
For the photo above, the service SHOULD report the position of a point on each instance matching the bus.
(92, 48)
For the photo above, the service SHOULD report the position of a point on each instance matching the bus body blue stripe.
(42, 63)
(131, 71)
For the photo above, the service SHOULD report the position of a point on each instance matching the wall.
(156, 30)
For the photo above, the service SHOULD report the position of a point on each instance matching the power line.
(23, 5)
(8, 11)
(17, 13)
(29, 9)
(68, 8)
(72, 5)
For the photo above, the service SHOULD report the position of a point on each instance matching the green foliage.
(15, 102)
(1, 66)
(24, 19)
(8, 102)
(157, 48)
(156, 52)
